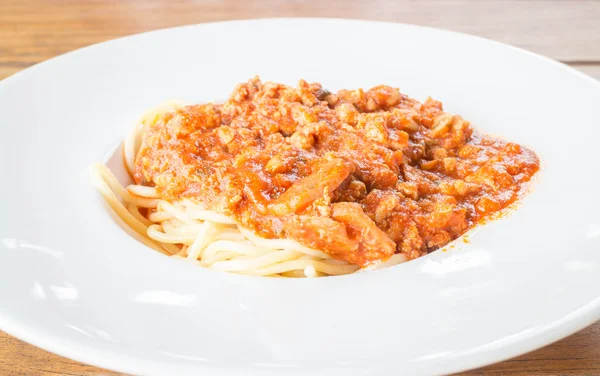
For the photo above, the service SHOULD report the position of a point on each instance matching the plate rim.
(521, 344)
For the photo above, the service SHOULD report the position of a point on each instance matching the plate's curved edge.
(558, 330)
(574, 322)
(67, 350)
(18, 74)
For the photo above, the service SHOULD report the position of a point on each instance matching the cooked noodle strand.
(188, 231)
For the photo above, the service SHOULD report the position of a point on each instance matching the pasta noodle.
(187, 231)
(333, 182)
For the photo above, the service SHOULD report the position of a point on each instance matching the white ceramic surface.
(73, 282)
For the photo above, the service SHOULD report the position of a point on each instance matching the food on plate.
(300, 181)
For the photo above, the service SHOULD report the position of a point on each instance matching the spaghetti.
(301, 182)
(187, 231)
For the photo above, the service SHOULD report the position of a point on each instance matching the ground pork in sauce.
(358, 174)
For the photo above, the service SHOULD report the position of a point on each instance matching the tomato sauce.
(358, 174)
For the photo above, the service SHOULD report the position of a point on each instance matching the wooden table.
(566, 30)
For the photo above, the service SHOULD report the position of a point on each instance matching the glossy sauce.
(359, 175)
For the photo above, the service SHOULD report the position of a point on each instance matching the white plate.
(73, 282)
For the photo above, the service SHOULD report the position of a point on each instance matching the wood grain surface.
(32, 31)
